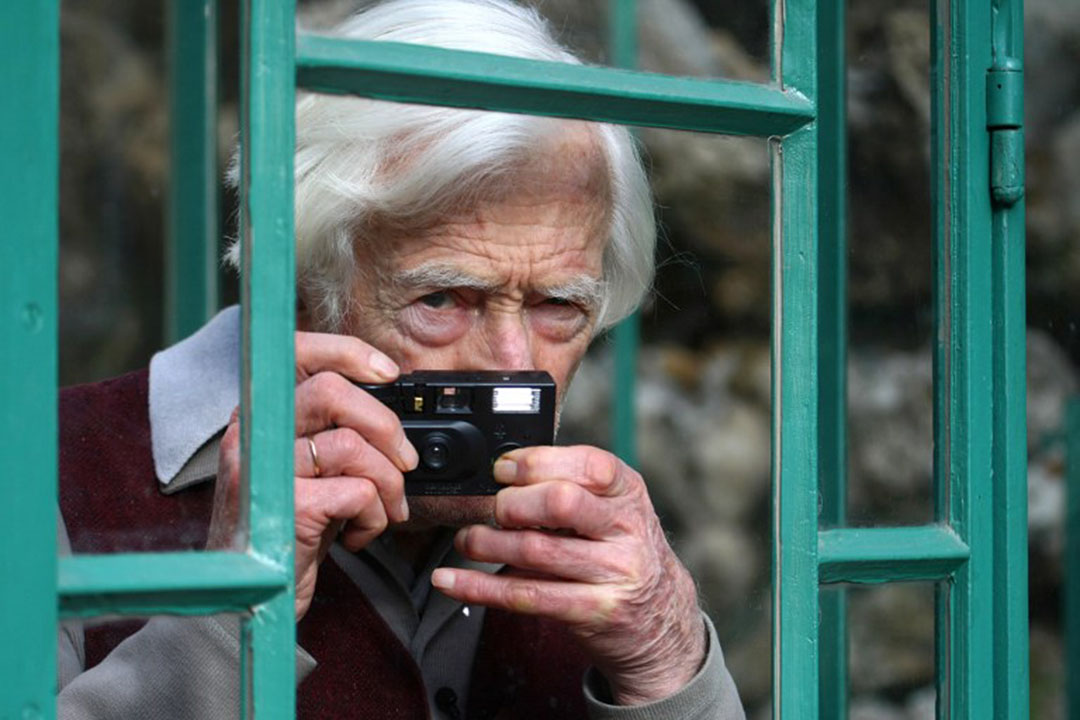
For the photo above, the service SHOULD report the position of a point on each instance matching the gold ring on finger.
(314, 457)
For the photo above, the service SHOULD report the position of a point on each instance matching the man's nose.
(509, 343)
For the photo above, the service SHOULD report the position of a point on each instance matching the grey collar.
(194, 387)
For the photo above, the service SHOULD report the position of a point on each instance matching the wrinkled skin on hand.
(357, 488)
(585, 546)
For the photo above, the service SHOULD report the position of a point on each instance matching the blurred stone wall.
(703, 399)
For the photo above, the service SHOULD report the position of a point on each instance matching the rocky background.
(703, 398)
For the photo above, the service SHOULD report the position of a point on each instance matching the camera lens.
(435, 453)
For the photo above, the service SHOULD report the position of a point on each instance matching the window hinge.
(1005, 121)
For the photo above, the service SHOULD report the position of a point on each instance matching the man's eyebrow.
(440, 275)
(582, 289)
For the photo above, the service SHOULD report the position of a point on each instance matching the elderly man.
(427, 238)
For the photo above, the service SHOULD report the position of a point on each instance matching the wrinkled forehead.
(562, 181)
(568, 158)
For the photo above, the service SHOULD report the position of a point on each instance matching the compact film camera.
(461, 421)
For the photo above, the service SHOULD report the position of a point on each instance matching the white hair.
(363, 164)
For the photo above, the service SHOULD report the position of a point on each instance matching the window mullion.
(833, 335)
(796, 374)
(964, 362)
(29, 184)
(457, 78)
(191, 238)
(268, 320)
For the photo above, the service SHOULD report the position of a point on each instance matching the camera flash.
(515, 400)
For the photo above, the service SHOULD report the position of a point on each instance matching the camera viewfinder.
(452, 400)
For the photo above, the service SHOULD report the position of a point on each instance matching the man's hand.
(586, 548)
(357, 486)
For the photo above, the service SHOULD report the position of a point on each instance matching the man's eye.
(437, 300)
(558, 301)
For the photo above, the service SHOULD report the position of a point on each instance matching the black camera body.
(461, 421)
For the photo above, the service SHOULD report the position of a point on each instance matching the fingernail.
(404, 509)
(443, 578)
(505, 470)
(384, 367)
(409, 457)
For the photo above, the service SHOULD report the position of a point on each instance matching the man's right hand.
(357, 487)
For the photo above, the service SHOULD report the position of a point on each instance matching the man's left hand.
(585, 547)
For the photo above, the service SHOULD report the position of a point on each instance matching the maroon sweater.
(524, 668)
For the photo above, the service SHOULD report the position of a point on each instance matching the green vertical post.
(267, 130)
(832, 309)
(1072, 559)
(964, 367)
(796, 374)
(1005, 117)
(29, 186)
(191, 272)
(623, 44)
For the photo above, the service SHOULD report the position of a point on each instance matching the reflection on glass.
(889, 279)
(891, 645)
(162, 666)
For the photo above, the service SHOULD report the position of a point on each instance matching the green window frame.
(975, 550)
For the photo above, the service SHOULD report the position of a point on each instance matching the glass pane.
(113, 136)
(161, 666)
(891, 646)
(703, 385)
(674, 37)
(1052, 373)
(890, 388)
(127, 483)
(1052, 131)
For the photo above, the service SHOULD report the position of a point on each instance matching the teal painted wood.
(964, 364)
(191, 266)
(268, 300)
(29, 128)
(623, 33)
(180, 583)
(414, 73)
(1011, 643)
(796, 374)
(889, 554)
(833, 314)
(623, 43)
(833, 653)
(795, 418)
(1071, 609)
